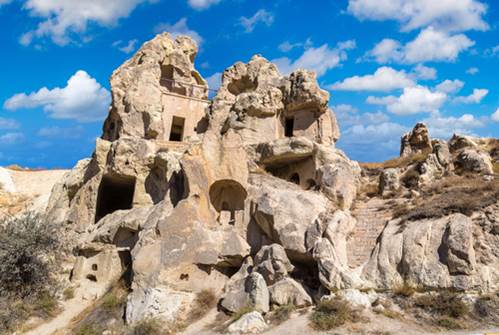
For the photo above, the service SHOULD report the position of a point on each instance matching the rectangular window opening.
(177, 131)
(289, 126)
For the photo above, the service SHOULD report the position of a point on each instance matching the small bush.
(444, 304)
(333, 313)
(281, 313)
(204, 301)
(151, 326)
(404, 290)
(27, 248)
(245, 310)
(68, 293)
(448, 323)
(111, 301)
(88, 329)
(45, 305)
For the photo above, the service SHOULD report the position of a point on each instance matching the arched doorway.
(228, 196)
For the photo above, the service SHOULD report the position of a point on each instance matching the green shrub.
(88, 329)
(448, 323)
(151, 326)
(444, 304)
(245, 310)
(282, 313)
(333, 313)
(111, 301)
(27, 247)
(68, 293)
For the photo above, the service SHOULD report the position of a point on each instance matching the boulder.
(416, 141)
(389, 180)
(272, 263)
(249, 291)
(249, 323)
(475, 161)
(288, 291)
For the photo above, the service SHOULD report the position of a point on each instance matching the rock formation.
(246, 195)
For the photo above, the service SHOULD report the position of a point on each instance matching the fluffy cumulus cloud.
(450, 86)
(287, 46)
(61, 19)
(384, 79)
(202, 4)
(474, 98)
(495, 116)
(319, 59)
(82, 99)
(429, 45)
(448, 15)
(262, 16)
(424, 72)
(8, 123)
(178, 28)
(444, 127)
(414, 100)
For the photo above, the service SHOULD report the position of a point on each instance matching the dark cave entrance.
(115, 192)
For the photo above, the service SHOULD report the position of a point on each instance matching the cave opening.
(115, 193)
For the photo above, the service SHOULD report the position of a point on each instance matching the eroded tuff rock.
(416, 141)
(244, 195)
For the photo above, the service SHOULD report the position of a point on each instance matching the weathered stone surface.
(474, 161)
(430, 253)
(389, 180)
(288, 291)
(248, 291)
(272, 263)
(418, 140)
(249, 323)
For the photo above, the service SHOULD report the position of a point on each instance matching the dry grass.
(281, 314)
(397, 162)
(458, 194)
(330, 314)
(205, 300)
(151, 326)
(68, 293)
(404, 290)
(237, 315)
(444, 304)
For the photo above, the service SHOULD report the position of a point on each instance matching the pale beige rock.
(474, 161)
(416, 141)
(249, 323)
(288, 291)
(389, 180)
(272, 263)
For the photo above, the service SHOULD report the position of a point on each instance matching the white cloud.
(261, 16)
(287, 46)
(202, 4)
(443, 127)
(8, 123)
(450, 86)
(384, 79)
(348, 116)
(319, 59)
(429, 45)
(372, 133)
(424, 72)
(83, 99)
(127, 48)
(60, 132)
(214, 81)
(495, 116)
(63, 18)
(11, 138)
(472, 71)
(449, 15)
(4, 2)
(474, 98)
(434, 45)
(417, 99)
(179, 28)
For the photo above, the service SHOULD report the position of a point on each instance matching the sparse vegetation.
(398, 162)
(391, 314)
(444, 304)
(88, 329)
(281, 314)
(205, 300)
(151, 326)
(404, 290)
(112, 300)
(333, 313)
(28, 247)
(68, 293)
(458, 194)
(237, 315)
(448, 323)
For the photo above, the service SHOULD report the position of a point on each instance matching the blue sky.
(387, 64)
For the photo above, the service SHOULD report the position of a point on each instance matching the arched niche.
(227, 197)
